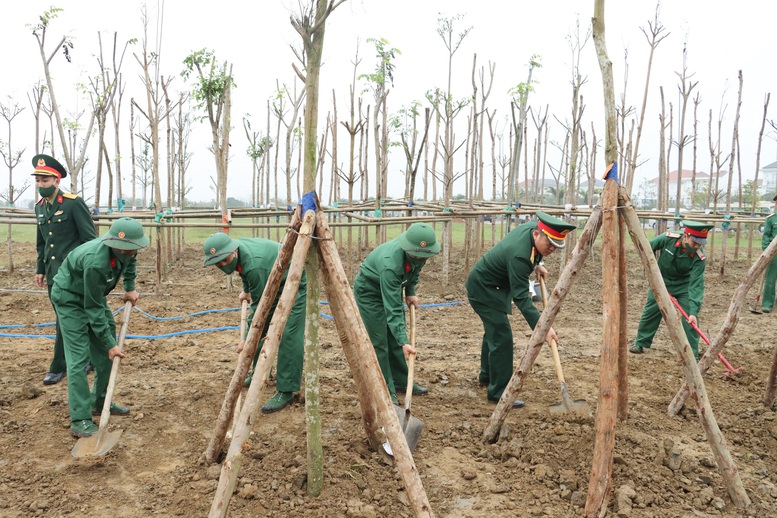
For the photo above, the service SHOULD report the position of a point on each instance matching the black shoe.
(516, 404)
(636, 349)
(52, 378)
(115, 410)
(418, 390)
(767, 310)
(482, 382)
(89, 368)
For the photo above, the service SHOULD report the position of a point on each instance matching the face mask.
(416, 261)
(123, 258)
(229, 267)
(47, 191)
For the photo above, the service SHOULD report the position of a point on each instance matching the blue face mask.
(230, 266)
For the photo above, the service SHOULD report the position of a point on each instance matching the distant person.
(253, 259)
(770, 229)
(682, 263)
(89, 273)
(387, 280)
(500, 277)
(64, 223)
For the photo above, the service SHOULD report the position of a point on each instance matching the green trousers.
(291, 350)
(651, 318)
(82, 347)
(769, 282)
(496, 352)
(389, 353)
(58, 363)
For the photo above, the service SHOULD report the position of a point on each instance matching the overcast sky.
(256, 38)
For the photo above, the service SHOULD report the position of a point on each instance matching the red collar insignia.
(408, 267)
(59, 199)
(239, 269)
(113, 262)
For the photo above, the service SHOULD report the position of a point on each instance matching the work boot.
(418, 390)
(636, 349)
(115, 410)
(516, 404)
(278, 402)
(247, 382)
(89, 368)
(83, 428)
(52, 378)
(767, 310)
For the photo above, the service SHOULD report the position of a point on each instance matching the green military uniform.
(87, 275)
(502, 276)
(254, 262)
(683, 274)
(64, 223)
(385, 272)
(770, 229)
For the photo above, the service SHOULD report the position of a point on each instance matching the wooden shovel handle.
(243, 318)
(106, 410)
(552, 343)
(410, 361)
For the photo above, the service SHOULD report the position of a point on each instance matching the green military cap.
(697, 230)
(217, 247)
(554, 228)
(419, 240)
(125, 234)
(47, 166)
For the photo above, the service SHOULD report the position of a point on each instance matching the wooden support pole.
(252, 340)
(693, 377)
(565, 281)
(772, 383)
(371, 387)
(730, 323)
(230, 469)
(623, 354)
(600, 480)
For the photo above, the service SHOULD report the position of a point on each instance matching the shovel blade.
(97, 445)
(577, 406)
(411, 427)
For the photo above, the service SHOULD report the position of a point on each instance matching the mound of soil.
(540, 467)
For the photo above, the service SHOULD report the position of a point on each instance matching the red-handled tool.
(729, 368)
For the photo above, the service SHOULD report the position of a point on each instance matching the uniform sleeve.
(94, 305)
(84, 222)
(768, 233)
(696, 287)
(518, 271)
(40, 245)
(393, 305)
(657, 243)
(130, 273)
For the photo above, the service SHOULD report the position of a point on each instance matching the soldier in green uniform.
(253, 259)
(770, 229)
(502, 276)
(682, 263)
(79, 293)
(391, 268)
(63, 224)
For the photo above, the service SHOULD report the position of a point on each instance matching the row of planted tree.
(508, 160)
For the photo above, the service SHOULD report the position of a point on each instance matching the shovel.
(730, 369)
(757, 308)
(101, 443)
(578, 406)
(411, 425)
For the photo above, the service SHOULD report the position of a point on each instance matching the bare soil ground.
(174, 386)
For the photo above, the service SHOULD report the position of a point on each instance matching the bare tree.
(74, 164)
(212, 92)
(9, 111)
(686, 86)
